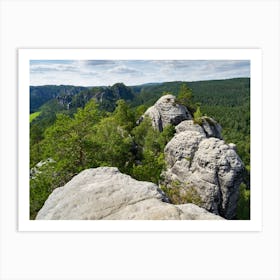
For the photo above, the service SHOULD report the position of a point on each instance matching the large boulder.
(166, 111)
(105, 193)
(189, 125)
(203, 169)
(208, 127)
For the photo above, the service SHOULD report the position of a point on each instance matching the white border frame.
(24, 57)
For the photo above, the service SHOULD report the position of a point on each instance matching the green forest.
(75, 128)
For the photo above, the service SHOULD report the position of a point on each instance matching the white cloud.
(121, 69)
(132, 72)
(42, 68)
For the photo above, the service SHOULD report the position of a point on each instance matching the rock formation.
(208, 127)
(105, 193)
(203, 168)
(166, 111)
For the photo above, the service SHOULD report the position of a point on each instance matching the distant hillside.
(41, 94)
(71, 97)
(227, 92)
(105, 96)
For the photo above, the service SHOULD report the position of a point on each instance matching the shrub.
(197, 116)
(180, 193)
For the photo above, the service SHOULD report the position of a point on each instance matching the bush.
(180, 193)
(197, 116)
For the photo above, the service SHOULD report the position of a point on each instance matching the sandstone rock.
(232, 146)
(105, 193)
(201, 164)
(165, 111)
(208, 167)
(193, 212)
(153, 209)
(217, 167)
(189, 125)
(209, 127)
(182, 146)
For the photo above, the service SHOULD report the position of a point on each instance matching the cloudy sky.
(132, 72)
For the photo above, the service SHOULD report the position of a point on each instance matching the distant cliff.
(73, 97)
(39, 95)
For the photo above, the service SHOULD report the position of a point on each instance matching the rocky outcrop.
(105, 193)
(211, 127)
(166, 111)
(208, 127)
(203, 168)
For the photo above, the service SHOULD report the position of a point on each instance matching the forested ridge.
(79, 128)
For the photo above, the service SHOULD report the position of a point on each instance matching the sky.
(132, 72)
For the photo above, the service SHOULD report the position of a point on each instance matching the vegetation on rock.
(179, 194)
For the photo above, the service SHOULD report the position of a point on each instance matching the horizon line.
(134, 85)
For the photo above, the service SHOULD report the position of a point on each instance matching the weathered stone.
(189, 125)
(105, 193)
(211, 168)
(193, 212)
(182, 146)
(166, 111)
(209, 127)
(217, 165)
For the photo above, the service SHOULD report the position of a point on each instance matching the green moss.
(179, 195)
(197, 121)
(176, 183)
(192, 196)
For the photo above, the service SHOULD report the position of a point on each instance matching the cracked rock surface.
(167, 111)
(209, 127)
(205, 165)
(105, 193)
